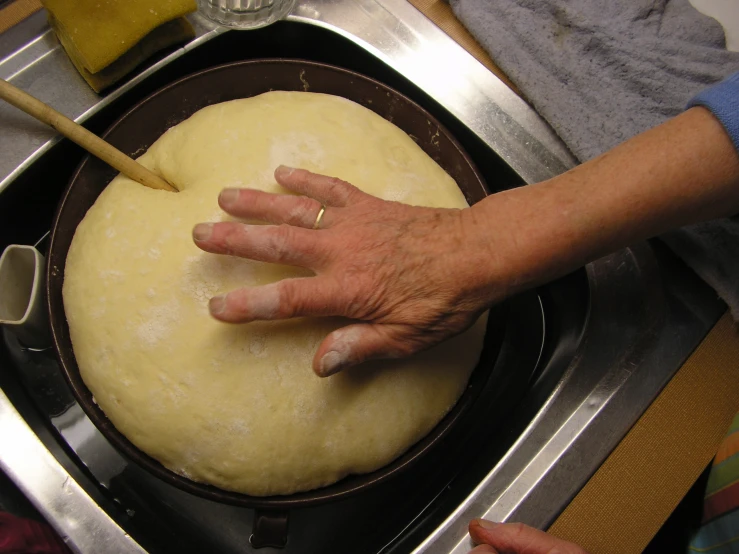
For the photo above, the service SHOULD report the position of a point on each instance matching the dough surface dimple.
(238, 406)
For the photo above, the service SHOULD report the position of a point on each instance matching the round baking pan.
(136, 130)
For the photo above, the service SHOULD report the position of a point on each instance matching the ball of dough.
(238, 406)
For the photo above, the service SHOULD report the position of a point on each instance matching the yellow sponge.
(173, 32)
(95, 33)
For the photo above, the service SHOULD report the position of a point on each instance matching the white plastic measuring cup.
(22, 295)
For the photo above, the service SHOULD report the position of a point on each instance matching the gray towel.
(602, 71)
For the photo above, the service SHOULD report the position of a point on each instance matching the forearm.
(411, 277)
(681, 172)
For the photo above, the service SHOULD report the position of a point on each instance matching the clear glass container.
(245, 14)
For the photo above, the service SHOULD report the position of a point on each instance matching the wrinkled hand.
(516, 538)
(410, 276)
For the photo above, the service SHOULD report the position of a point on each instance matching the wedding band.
(319, 217)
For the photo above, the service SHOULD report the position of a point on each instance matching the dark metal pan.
(135, 131)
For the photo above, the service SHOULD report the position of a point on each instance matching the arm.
(413, 277)
(682, 172)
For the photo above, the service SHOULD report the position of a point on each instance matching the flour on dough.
(238, 406)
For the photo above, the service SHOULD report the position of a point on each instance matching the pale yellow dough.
(238, 406)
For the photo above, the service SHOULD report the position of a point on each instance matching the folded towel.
(601, 72)
(106, 39)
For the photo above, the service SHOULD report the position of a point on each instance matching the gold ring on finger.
(319, 217)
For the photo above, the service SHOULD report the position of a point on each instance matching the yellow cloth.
(98, 32)
(173, 32)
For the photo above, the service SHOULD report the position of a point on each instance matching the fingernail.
(486, 524)
(331, 363)
(217, 305)
(284, 171)
(228, 196)
(202, 231)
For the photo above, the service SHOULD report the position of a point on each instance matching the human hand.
(411, 276)
(516, 538)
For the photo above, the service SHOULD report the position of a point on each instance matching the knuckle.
(403, 348)
(279, 241)
(362, 294)
(336, 182)
(290, 304)
(231, 237)
(320, 251)
(291, 299)
(266, 202)
(303, 211)
(518, 529)
(337, 188)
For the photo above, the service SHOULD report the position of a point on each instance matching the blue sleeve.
(723, 101)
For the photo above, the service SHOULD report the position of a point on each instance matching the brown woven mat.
(16, 12)
(631, 495)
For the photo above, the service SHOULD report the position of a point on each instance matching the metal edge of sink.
(611, 380)
(391, 30)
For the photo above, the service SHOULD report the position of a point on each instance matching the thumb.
(354, 344)
(517, 538)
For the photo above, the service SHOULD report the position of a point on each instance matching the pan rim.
(402, 463)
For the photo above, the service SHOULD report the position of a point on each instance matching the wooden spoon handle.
(87, 140)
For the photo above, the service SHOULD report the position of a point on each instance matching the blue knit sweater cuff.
(723, 101)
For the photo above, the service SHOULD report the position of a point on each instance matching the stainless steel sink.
(614, 332)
